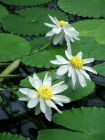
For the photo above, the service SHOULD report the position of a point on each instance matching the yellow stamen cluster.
(45, 92)
(76, 62)
(62, 23)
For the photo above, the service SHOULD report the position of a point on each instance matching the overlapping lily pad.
(31, 21)
(3, 12)
(84, 122)
(12, 47)
(26, 2)
(9, 136)
(84, 8)
(100, 68)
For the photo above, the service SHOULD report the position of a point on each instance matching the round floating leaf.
(87, 28)
(85, 122)
(100, 34)
(8, 136)
(26, 2)
(31, 21)
(84, 8)
(79, 92)
(38, 43)
(100, 68)
(42, 59)
(3, 12)
(90, 48)
(12, 47)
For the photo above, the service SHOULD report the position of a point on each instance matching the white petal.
(33, 102)
(50, 34)
(67, 38)
(62, 69)
(57, 62)
(48, 113)
(50, 25)
(42, 105)
(89, 60)
(58, 88)
(68, 52)
(37, 80)
(89, 69)
(53, 20)
(57, 30)
(61, 98)
(58, 103)
(29, 92)
(69, 71)
(47, 80)
(81, 78)
(62, 59)
(73, 76)
(25, 98)
(57, 38)
(52, 105)
(85, 74)
(79, 54)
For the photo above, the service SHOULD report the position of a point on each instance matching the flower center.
(62, 23)
(45, 92)
(76, 62)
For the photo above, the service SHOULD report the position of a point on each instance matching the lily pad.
(31, 21)
(84, 122)
(84, 8)
(12, 47)
(100, 68)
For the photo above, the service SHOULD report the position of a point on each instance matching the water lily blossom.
(74, 66)
(60, 31)
(44, 94)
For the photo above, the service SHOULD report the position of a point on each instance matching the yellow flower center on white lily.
(76, 62)
(45, 92)
(62, 23)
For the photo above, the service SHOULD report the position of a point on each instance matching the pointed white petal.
(69, 71)
(52, 105)
(47, 80)
(42, 105)
(89, 60)
(58, 88)
(73, 76)
(32, 103)
(57, 30)
(89, 69)
(50, 25)
(81, 78)
(67, 38)
(37, 80)
(25, 98)
(53, 20)
(57, 38)
(79, 54)
(50, 34)
(68, 53)
(62, 69)
(57, 62)
(62, 59)
(61, 98)
(85, 74)
(29, 92)
(48, 113)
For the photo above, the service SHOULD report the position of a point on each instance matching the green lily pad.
(31, 21)
(85, 123)
(84, 8)
(9, 136)
(3, 12)
(26, 2)
(100, 68)
(12, 47)
(79, 92)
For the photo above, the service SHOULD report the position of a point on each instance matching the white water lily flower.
(74, 66)
(61, 30)
(45, 94)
